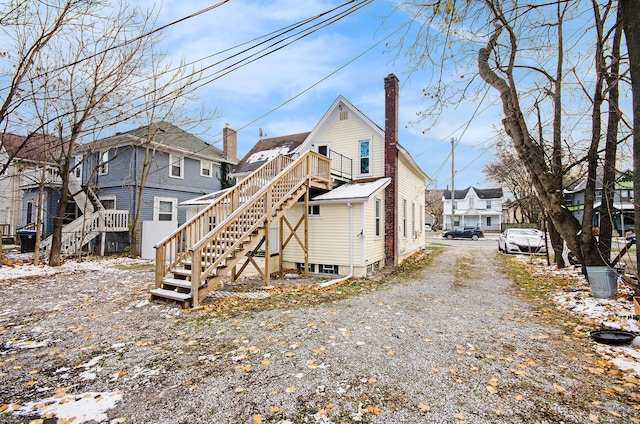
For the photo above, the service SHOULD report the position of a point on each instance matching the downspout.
(340, 280)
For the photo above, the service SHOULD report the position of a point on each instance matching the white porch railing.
(84, 229)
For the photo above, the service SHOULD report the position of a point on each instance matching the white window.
(413, 219)
(323, 149)
(365, 157)
(77, 171)
(327, 269)
(314, 210)
(471, 202)
(176, 166)
(488, 204)
(108, 202)
(378, 217)
(165, 209)
(206, 168)
(103, 164)
(404, 217)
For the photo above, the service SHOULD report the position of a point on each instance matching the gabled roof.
(165, 136)
(265, 150)
(487, 193)
(37, 148)
(356, 192)
(341, 102)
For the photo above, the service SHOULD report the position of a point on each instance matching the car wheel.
(449, 237)
(474, 237)
(499, 248)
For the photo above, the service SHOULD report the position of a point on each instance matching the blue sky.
(252, 91)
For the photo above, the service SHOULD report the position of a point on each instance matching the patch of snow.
(81, 408)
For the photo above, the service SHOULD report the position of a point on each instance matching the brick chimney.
(230, 143)
(391, 89)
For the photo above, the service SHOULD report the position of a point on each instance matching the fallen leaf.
(458, 417)
(435, 370)
(558, 388)
(492, 389)
(494, 382)
(373, 410)
(519, 398)
(265, 362)
(453, 372)
(594, 418)
(274, 409)
(257, 419)
(60, 392)
(372, 380)
(291, 389)
(238, 390)
(424, 408)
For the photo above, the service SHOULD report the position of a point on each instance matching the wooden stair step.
(182, 272)
(184, 284)
(170, 294)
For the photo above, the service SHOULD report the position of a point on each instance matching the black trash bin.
(27, 240)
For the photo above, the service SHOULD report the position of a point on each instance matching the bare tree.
(523, 60)
(95, 90)
(30, 28)
(507, 170)
(434, 204)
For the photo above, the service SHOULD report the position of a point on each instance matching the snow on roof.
(354, 192)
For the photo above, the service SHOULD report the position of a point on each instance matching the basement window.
(328, 269)
(300, 267)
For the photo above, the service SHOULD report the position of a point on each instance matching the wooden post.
(196, 268)
(267, 252)
(280, 242)
(160, 264)
(306, 230)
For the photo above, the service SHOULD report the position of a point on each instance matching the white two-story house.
(473, 207)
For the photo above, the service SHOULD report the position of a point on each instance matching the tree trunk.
(546, 183)
(630, 15)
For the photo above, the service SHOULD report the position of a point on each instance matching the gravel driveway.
(453, 346)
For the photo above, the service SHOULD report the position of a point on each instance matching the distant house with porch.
(623, 219)
(473, 207)
(183, 166)
(32, 162)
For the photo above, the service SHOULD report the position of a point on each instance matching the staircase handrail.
(222, 240)
(178, 242)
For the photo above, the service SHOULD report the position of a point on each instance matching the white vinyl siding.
(410, 187)
(345, 135)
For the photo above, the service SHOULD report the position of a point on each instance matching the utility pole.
(453, 173)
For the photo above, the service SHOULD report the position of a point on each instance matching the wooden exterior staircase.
(95, 221)
(193, 260)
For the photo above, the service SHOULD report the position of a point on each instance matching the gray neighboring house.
(184, 167)
(623, 207)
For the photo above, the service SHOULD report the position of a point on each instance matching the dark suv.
(474, 233)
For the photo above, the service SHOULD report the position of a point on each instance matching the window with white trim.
(404, 218)
(314, 210)
(364, 157)
(488, 204)
(328, 269)
(378, 215)
(165, 209)
(77, 171)
(471, 202)
(413, 219)
(206, 168)
(103, 164)
(323, 149)
(108, 202)
(176, 166)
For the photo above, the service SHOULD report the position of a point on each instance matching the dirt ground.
(427, 344)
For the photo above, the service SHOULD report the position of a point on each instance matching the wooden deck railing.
(218, 230)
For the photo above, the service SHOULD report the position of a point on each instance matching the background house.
(32, 166)
(623, 219)
(182, 166)
(473, 207)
